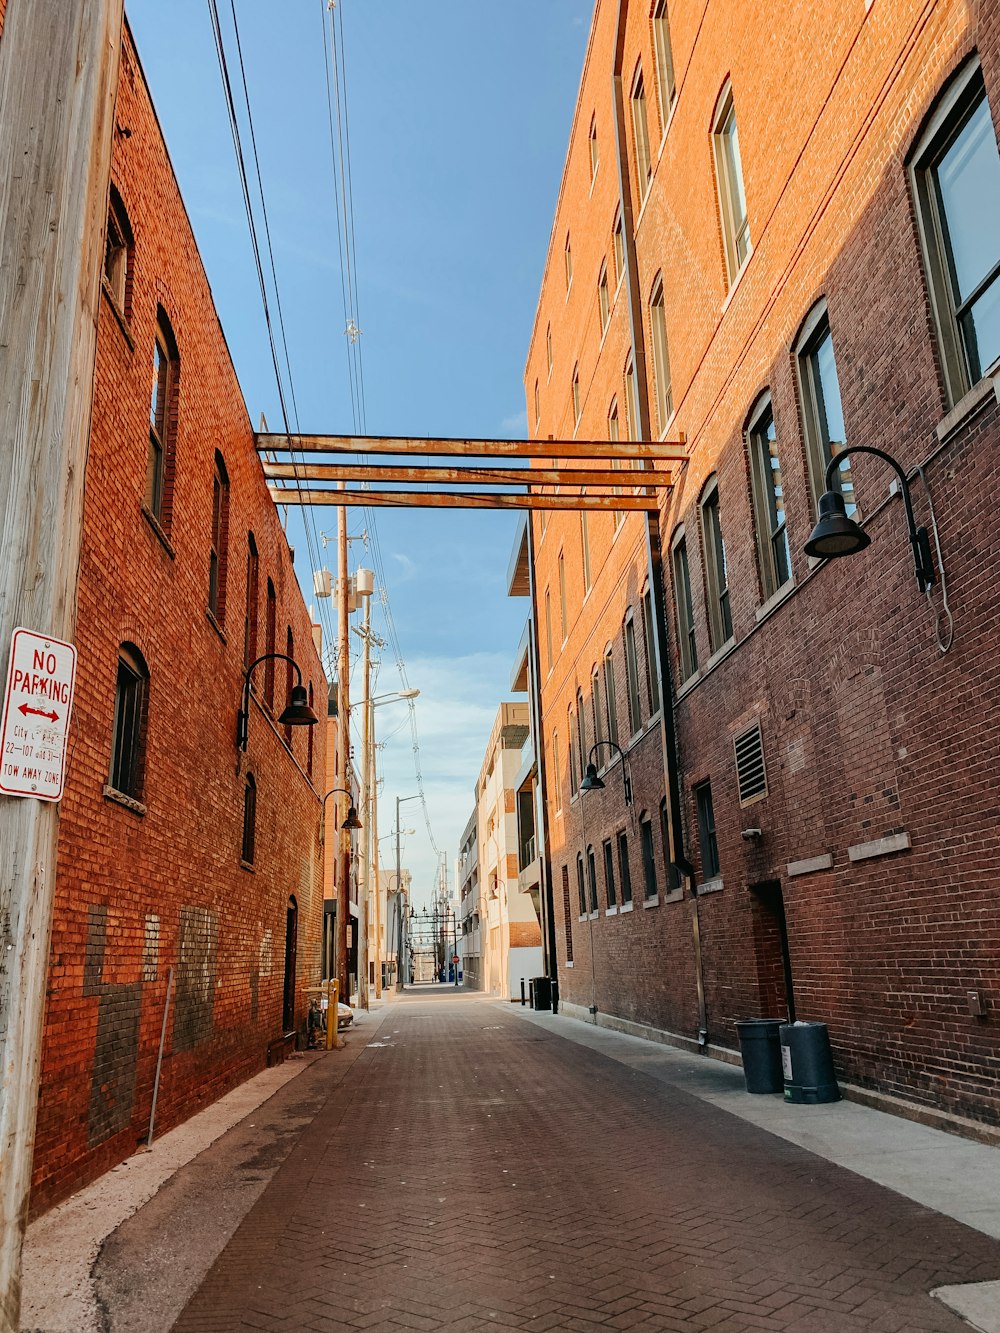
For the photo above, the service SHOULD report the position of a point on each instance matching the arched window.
(576, 396)
(249, 820)
(250, 612)
(538, 404)
(768, 490)
(571, 742)
(585, 548)
(270, 629)
(568, 256)
(632, 674)
(289, 679)
(594, 155)
(610, 700)
(640, 130)
(581, 732)
(162, 424)
(128, 736)
(219, 549)
(661, 357)
(581, 885)
(822, 411)
(118, 249)
(664, 60)
(648, 856)
(603, 297)
(729, 175)
(720, 621)
(310, 730)
(592, 878)
(548, 347)
(683, 606)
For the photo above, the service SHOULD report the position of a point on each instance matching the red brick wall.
(868, 729)
(220, 926)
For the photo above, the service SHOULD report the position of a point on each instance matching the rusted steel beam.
(381, 444)
(292, 495)
(460, 476)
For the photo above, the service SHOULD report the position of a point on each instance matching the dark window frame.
(126, 771)
(707, 837)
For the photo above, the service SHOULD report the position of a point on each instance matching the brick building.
(187, 870)
(773, 238)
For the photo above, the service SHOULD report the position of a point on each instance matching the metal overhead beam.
(591, 450)
(462, 476)
(292, 495)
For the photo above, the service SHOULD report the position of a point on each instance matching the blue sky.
(459, 116)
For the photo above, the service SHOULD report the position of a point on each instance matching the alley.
(471, 1170)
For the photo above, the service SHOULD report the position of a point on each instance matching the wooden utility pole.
(58, 76)
(364, 860)
(344, 726)
(376, 873)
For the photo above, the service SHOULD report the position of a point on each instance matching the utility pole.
(344, 741)
(58, 76)
(376, 873)
(364, 860)
(402, 908)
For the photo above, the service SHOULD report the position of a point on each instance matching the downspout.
(654, 547)
(545, 897)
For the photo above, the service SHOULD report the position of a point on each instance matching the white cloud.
(407, 568)
(515, 427)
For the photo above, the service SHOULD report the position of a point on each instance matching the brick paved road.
(478, 1172)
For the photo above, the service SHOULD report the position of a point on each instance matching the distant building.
(782, 248)
(188, 880)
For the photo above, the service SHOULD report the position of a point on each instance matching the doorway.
(291, 945)
(774, 961)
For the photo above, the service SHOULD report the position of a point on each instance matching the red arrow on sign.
(39, 712)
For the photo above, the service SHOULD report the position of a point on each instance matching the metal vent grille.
(750, 772)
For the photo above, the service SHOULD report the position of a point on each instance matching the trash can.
(807, 1064)
(541, 993)
(555, 994)
(760, 1046)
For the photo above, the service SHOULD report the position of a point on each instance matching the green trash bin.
(760, 1046)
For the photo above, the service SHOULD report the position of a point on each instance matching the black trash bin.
(541, 993)
(760, 1046)
(807, 1064)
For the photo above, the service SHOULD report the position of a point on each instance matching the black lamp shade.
(352, 821)
(298, 713)
(835, 534)
(591, 782)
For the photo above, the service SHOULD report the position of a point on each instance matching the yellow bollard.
(332, 1014)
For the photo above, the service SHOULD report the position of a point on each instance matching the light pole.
(400, 959)
(591, 782)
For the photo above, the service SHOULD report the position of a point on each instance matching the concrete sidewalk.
(941, 1171)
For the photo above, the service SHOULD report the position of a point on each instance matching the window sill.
(775, 600)
(687, 685)
(569, 964)
(611, 911)
(216, 626)
(584, 917)
(651, 902)
(674, 896)
(625, 907)
(119, 798)
(967, 407)
(118, 313)
(711, 886)
(158, 532)
(248, 866)
(720, 655)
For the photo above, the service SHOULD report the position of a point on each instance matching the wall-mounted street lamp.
(591, 782)
(352, 822)
(297, 712)
(835, 534)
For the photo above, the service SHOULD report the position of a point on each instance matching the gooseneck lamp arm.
(849, 537)
(297, 713)
(592, 782)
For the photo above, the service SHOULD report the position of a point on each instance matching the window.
(269, 646)
(956, 175)
(595, 708)
(249, 820)
(720, 623)
(128, 736)
(614, 427)
(567, 922)
(585, 547)
(648, 856)
(289, 679)
(603, 297)
(592, 878)
(557, 775)
(632, 675)
(610, 702)
(594, 157)
(648, 633)
(218, 551)
(573, 772)
(250, 612)
(538, 404)
(310, 732)
(581, 731)
(609, 873)
(580, 884)
(768, 487)
(118, 247)
(823, 416)
(162, 424)
(548, 627)
(631, 402)
(576, 396)
(640, 129)
(568, 255)
(729, 173)
(562, 596)
(665, 839)
(687, 650)
(706, 831)
(624, 876)
(618, 244)
(661, 359)
(665, 86)
(548, 347)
